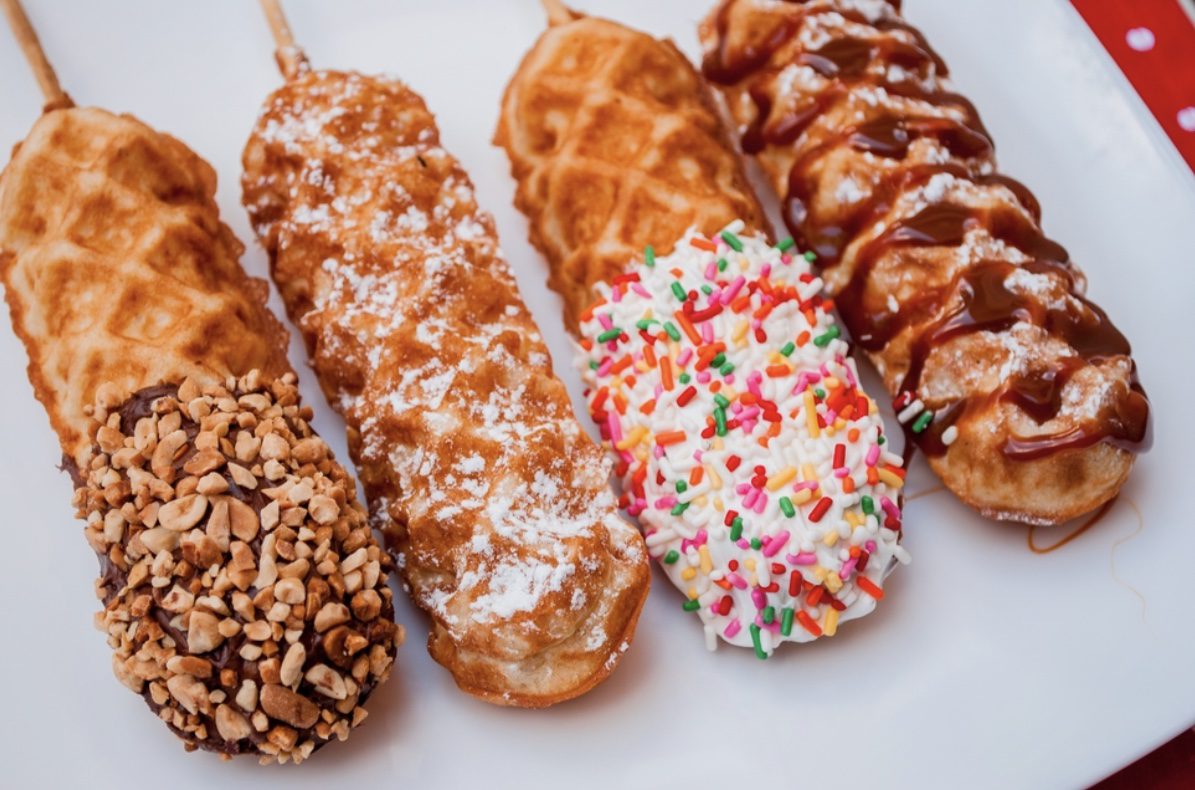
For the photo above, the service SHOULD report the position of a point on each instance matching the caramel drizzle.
(1087, 524)
(984, 302)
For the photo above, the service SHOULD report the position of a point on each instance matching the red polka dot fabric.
(1153, 43)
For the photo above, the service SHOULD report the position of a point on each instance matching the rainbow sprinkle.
(753, 460)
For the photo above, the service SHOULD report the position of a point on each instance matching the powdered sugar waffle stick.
(491, 496)
(1019, 390)
(753, 459)
(244, 596)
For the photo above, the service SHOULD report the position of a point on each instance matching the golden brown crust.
(616, 145)
(117, 268)
(937, 264)
(493, 498)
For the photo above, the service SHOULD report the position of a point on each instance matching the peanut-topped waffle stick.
(745, 445)
(1019, 390)
(492, 497)
(244, 596)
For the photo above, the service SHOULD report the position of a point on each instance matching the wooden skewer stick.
(43, 72)
(559, 13)
(290, 58)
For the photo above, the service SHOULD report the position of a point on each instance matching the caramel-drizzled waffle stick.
(491, 497)
(1018, 389)
(244, 596)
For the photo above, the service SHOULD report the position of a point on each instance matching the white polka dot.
(1140, 39)
(1186, 119)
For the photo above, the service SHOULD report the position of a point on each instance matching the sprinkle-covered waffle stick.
(1021, 393)
(616, 145)
(492, 497)
(754, 461)
(244, 597)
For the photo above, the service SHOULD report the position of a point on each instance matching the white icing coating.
(762, 393)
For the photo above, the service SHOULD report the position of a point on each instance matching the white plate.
(986, 666)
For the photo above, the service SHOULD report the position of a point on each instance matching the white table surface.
(986, 665)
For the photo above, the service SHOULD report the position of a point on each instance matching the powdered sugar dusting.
(473, 462)
(518, 586)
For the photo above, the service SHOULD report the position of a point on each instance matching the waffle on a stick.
(745, 445)
(616, 145)
(1018, 389)
(490, 494)
(99, 213)
(244, 596)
